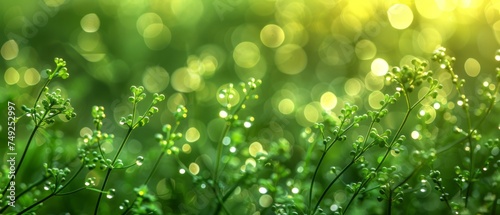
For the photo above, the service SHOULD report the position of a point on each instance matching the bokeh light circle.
(272, 35)
(155, 79)
(290, 59)
(90, 23)
(246, 54)
(400, 16)
(9, 50)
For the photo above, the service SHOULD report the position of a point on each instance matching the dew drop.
(139, 160)
(46, 187)
(87, 183)
(121, 207)
(111, 193)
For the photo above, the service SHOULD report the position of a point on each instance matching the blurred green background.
(313, 56)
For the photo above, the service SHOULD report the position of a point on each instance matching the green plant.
(391, 158)
(384, 172)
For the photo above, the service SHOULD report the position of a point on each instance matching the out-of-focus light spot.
(258, 71)
(472, 67)
(182, 171)
(334, 207)
(31, 76)
(286, 106)
(428, 8)
(228, 96)
(379, 67)
(374, 82)
(436, 106)
(262, 190)
(429, 39)
(251, 162)
(311, 113)
(295, 190)
(9, 50)
(447, 5)
(400, 16)
(427, 114)
(415, 135)
(226, 140)
(262, 8)
(365, 50)
(186, 148)
(374, 99)
(54, 3)
(146, 20)
(223, 114)
(174, 101)
(210, 65)
(90, 23)
(187, 12)
(11, 76)
(85, 131)
(155, 79)
(272, 36)
(290, 59)
(185, 80)
(265, 201)
(295, 33)
(232, 149)
(192, 134)
(254, 149)
(157, 36)
(88, 41)
(194, 168)
(246, 54)
(353, 87)
(328, 100)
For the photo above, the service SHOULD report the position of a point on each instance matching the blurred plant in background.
(359, 109)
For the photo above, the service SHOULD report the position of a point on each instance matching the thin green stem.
(30, 139)
(54, 193)
(36, 203)
(219, 152)
(322, 158)
(110, 168)
(368, 179)
(154, 167)
(331, 184)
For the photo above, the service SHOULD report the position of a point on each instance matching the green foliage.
(358, 160)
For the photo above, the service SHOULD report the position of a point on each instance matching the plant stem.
(36, 203)
(331, 184)
(110, 168)
(53, 193)
(22, 159)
